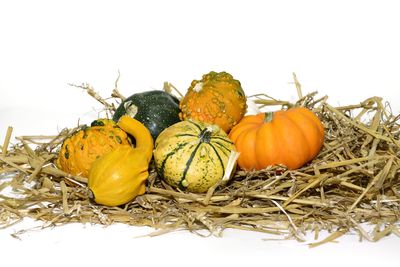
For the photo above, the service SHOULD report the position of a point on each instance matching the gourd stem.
(268, 116)
(139, 132)
(205, 135)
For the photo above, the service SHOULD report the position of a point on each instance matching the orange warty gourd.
(216, 99)
(81, 149)
(291, 138)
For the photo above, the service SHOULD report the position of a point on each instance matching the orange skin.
(79, 151)
(220, 101)
(291, 138)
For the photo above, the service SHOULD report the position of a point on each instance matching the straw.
(351, 186)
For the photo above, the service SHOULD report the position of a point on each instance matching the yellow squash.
(120, 175)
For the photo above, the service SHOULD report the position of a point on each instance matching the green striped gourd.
(193, 156)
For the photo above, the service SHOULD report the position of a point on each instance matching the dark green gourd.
(156, 109)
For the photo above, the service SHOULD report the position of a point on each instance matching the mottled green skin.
(156, 109)
(191, 158)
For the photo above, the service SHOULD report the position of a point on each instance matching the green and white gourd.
(194, 156)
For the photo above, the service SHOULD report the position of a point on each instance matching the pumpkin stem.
(139, 132)
(268, 116)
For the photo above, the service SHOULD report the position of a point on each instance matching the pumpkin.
(156, 109)
(291, 138)
(194, 156)
(79, 150)
(217, 99)
(119, 176)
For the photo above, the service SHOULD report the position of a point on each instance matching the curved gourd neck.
(141, 134)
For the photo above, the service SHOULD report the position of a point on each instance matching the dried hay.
(354, 181)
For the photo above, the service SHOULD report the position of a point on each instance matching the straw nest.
(353, 183)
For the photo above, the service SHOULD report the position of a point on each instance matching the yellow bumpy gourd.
(120, 175)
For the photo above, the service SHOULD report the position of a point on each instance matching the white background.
(348, 50)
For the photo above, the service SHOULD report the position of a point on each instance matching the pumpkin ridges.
(275, 148)
(310, 130)
(295, 142)
(314, 118)
(294, 139)
(246, 140)
(319, 133)
(277, 152)
(317, 129)
(237, 137)
(266, 143)
(257, 118)
(236, 132)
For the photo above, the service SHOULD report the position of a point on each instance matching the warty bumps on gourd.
(216, 99)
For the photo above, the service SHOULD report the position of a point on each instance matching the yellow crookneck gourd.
(120, 175)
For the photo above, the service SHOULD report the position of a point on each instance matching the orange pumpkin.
(216, 99)
(291, 138)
